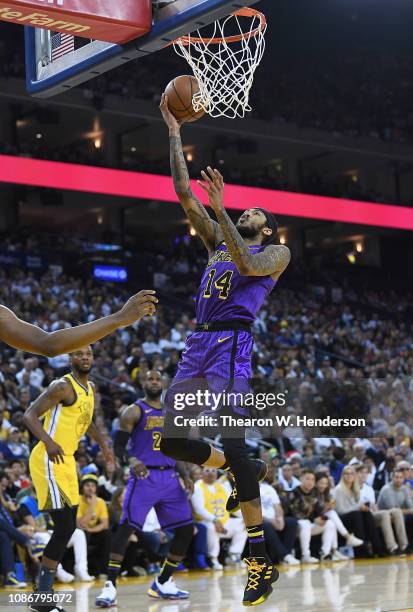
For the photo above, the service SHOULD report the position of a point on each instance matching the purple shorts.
(161, 490)
(218, 361)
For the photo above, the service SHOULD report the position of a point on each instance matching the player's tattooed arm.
(199, 218)
(59, 392)
(272, 261)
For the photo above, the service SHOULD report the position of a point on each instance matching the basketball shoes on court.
(167, 590)
(107, 597)
(261, 575)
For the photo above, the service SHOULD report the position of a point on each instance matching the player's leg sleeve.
(64, 526)
(120, 539)
(242, 468)
(181, 541)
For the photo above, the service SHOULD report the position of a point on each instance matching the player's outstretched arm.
(206, 227)
(26, 337)
(272, 261)
(59, 391)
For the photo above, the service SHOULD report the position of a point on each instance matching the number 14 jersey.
(224, 294)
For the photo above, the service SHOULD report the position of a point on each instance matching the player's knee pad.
(121, 538)
(193, 451)
(182, 539)
(242, 468)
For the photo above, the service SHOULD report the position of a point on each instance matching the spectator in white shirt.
(286, 478)
(36, 375)
(150, 346)
(280, 531)
(390, 521)
(359, 453)
(208, 502)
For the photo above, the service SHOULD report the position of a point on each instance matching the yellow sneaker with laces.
(262, 573)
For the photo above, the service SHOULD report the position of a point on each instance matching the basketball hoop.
(225, 62)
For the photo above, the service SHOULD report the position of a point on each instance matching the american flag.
(61, 45)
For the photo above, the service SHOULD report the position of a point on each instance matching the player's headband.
(272, 224)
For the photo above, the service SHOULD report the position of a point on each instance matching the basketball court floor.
(362, 586)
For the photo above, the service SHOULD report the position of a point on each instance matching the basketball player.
(244, 266)
(68, 405)
(26, 337)
(153, 483)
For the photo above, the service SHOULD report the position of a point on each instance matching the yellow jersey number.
(222, 284)
(156, 436)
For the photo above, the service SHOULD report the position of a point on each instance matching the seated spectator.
(326, 504)
(17, 472)
(356, 516)
(286, 478)
(5, 424)
(390, 521)
(397, 495)
(304, 507)
(93, 518)
(310, 459)
(208, 502)
(9, 536)
(336, 465)
(384, 471)
(280, 531)
(359, 453)
(108, 481)
(15, 447)
(28, 512)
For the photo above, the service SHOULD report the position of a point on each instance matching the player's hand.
(213, 184)
(189, 485)
(168, 117)
(54, 451)
(138, 306)
(139, 470)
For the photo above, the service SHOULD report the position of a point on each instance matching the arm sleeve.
(120, 443)
(197, 500)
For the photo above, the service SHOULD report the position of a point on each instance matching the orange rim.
(244, 12)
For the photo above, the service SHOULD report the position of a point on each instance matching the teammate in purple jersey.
(153, 483)
(244, 266)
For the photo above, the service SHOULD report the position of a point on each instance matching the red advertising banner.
(123, 183)
(106, 20)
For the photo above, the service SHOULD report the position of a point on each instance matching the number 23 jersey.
(144, 443)
(224, 294)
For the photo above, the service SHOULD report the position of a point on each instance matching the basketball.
(180, 92)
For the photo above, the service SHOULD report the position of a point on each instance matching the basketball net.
(224, 63)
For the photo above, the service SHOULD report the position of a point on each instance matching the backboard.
(58, 62)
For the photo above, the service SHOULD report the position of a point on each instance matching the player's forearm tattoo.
(237, 248)
(196, 213)
(274, 258)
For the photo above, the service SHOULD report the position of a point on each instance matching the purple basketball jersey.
(144, 443)
(224, 294)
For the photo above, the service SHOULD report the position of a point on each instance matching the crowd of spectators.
(353, 492)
